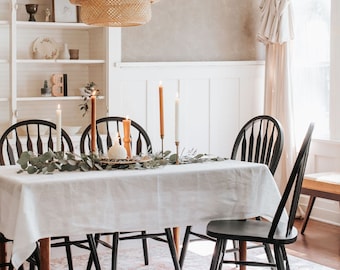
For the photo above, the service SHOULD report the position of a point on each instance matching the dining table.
(36, 207)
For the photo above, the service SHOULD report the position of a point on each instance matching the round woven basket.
(115, 12)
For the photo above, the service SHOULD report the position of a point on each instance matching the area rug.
(198, 258)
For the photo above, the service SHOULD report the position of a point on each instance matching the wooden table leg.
(176, 234)
(3, 254)
(45, 254)
(243, 254)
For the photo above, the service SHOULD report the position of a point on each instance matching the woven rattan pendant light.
(116, 13)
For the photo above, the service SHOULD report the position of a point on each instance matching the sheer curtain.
(276, 32)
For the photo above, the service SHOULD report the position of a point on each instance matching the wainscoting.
(216, 99)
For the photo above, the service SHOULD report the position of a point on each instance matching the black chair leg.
(90, 261)
(217, 253)
(114, 257)
(278, 257)
(172, 248)
(269, 254)
(184, 246)
(145, 249)
(93, 250)
(224, 246)
(68, 253)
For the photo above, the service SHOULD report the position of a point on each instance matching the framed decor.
(64, 11)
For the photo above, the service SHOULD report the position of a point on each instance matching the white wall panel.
(216, 99)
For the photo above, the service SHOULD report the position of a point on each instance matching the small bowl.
(71, 130)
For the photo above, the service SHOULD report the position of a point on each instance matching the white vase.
(65, 53)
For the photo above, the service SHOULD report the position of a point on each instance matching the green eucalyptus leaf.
(31, 169)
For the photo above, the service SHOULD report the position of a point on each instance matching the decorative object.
(126, 126)
(177, 118)
(74, 54)
(65, 53)
(45, 48)
(93, 123)
(64, 11)
(58, 127)
(31, 9)
(57, 81)
(116, 13)
(47, 14)
(161, 113)
(46, 91)
(86, 93)
(177, 126)
(117, 151)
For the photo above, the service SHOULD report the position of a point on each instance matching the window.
(311, 66)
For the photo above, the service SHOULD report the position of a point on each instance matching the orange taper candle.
(126, 126)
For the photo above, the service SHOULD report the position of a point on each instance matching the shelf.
(60, 61)
(3, 22)
(3, 61)
(54, 25)
(62, 98)
(3, 99)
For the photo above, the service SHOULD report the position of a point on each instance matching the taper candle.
(161, 110)
(177, 118)
(126, 126)
(58, 127)
(93, 123)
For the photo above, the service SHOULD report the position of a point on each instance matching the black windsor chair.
(107, 128)
(33, 260)
(259, 231)
(36, 135)
(260, 140)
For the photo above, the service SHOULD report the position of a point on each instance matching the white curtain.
(276, 32)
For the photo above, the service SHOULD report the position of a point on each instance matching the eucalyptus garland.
(50, 161)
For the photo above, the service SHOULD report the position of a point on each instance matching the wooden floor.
(320, 243)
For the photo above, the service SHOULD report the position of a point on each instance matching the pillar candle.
(161, 110)
(58, 127)
(126, 126)
(93, 123)
(177, 118)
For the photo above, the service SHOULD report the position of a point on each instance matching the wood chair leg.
(308, 212)
(3, 254)
(243, 254)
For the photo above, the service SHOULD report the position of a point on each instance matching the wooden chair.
(260, 140)
(37, 135)
(107, 129)
(264, 231)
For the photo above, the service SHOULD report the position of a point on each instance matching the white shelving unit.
(23, 76)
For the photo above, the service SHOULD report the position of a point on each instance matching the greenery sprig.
(51, 161)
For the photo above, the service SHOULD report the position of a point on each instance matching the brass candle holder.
(177, 156)
(162, 145)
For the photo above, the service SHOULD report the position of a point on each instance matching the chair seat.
(248, 230)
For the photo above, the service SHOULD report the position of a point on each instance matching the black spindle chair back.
(107, 129)
(260, 140)
(34, 135)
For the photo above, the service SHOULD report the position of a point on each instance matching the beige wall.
(196, 30)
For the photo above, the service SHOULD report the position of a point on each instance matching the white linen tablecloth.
(73, 203)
